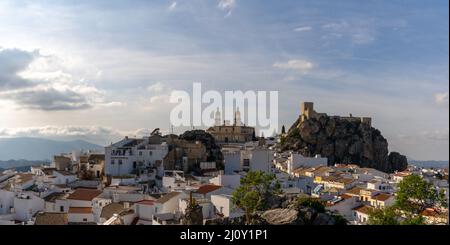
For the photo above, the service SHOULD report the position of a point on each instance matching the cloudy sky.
(99, 70)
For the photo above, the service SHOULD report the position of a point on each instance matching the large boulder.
(282, 216)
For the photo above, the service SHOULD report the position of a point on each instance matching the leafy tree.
(339, 219)
(413, 220)
(255, 191)
(309, 202)
(415, 195)
(384, 216)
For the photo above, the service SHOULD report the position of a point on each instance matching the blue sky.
(101, 69)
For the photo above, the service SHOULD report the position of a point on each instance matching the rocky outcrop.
(214, 153)
(282, 217)
(343, 141)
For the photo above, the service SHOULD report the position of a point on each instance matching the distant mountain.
(20, 165)
(40, 149)
(429, 164)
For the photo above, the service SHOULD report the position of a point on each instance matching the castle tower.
(307, 110)
(217, 118)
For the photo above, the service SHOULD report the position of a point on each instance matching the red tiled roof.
(84, 194)
(346, 196)
(363, 209)
(381, 197)
(80, 210)
(205, 189)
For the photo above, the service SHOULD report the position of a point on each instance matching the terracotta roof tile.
(84, 194)
(205, 189)
(381, 197)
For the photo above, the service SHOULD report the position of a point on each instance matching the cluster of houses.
(149, 181)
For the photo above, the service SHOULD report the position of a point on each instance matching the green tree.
(309, 202)
(413, 220)
(415, 195)
(383, 216)
(255, 191)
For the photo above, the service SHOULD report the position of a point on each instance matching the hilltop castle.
(308, 112)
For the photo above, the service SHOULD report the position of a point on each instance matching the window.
(120, 162)
(140, 153)
(112, 162)
(84, 220)
(61, 208)
(246, 162)
(150, 153)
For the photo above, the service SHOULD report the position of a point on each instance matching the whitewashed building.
(128, 156)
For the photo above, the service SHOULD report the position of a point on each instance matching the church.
(226, 133)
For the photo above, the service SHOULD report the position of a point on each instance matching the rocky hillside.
(214, 153)
(343, 142)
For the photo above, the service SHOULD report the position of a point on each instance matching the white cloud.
(156, 88)
(303, 29)
(172, 6)
(227, 5)
(439, 134)
(42, 82)
(441, 98)
(358, 31)
(295, 65)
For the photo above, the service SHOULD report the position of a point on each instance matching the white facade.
(230, 181)
(6, 201)
(26, 205)
(224, 205)
(145, 210)
(63, 178)
(345, 207)
(296, 160)
(232, 162)
(126, 156)
(80, 217)
(260, 159)
(171, 205)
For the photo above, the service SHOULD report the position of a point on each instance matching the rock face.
(214, 153)
(342, 141)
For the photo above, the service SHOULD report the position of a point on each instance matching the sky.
(98, 70)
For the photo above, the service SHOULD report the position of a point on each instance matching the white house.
(26, 205)
(225, 207)
(64, 177)
(296, 160)
(6, 201)
(344, 205)
(232, 161)
(145, 210)
(169, 203)
(129, 155)
(382, 200)
(257, 159)
(51, 204)
(230, 181)
(80, 215)
(361, 214)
